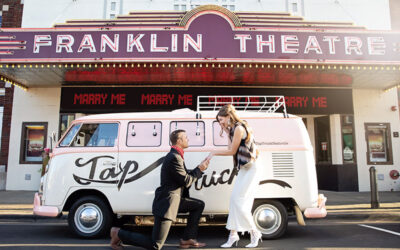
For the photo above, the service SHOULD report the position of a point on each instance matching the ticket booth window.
(348, 144)
(379, 145)
(33, 141)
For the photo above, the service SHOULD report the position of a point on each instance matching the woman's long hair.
(229, 110)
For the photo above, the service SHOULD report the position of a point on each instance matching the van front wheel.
(90, 217)
(271, 218)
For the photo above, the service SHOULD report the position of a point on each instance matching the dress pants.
(240, 218)
(156, 241)
(162, 226)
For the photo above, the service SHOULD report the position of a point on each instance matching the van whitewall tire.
(271, 218)
(90, 217)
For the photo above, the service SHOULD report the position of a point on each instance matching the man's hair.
(174, 136)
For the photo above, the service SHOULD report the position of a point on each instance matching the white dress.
(240, 218)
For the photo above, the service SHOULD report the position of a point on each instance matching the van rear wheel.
(271, 218)
(90, 217)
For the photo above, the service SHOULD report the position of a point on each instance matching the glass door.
(322, 140)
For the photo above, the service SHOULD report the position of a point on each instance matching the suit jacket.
(175, 183)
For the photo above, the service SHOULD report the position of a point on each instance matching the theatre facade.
(340, 78)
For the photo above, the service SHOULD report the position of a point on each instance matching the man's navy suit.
(171, 197)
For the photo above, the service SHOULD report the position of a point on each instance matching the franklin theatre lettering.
(261, 43)
(134, 43)
(291, 44)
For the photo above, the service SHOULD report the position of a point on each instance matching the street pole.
(374, 188)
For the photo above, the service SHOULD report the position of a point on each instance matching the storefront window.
(65, 121)
(33, 141)
(348, 139)
(379, 145)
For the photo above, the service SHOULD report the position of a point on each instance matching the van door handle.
(109, 163)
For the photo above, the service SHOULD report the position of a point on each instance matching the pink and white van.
(108, 165)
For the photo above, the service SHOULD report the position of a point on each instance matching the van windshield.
(71, 133)
(96, 135)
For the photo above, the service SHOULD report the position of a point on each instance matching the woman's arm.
(233, 146)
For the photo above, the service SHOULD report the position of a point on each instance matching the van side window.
(144, 134)
(96, 135)
(71, 133)
(217, 139)
(194, 131)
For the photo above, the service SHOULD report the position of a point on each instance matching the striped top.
(247, 151)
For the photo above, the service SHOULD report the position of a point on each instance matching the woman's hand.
(210, 156)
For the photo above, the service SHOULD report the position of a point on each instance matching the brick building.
(10, 17)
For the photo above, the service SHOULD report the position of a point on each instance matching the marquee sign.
(208, 37)
(142, 99)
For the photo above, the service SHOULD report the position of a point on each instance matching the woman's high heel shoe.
(255, 236)
(233, 237)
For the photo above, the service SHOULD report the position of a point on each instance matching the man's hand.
(204, 165)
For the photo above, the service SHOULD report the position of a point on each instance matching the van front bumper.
(40, 210)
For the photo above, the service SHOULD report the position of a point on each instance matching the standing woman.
(243, 149)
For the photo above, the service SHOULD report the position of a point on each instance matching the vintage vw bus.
(107, 166)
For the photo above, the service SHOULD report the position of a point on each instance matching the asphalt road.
(43, 234)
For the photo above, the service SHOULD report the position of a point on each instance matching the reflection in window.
(96, 135)
(34, 140)
(378, 143)
(348, 139)
(194, 131)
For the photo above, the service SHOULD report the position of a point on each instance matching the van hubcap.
(267, 218)
(88, 218)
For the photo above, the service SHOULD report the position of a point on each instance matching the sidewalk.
(340, 205)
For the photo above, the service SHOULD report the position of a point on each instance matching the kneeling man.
(171, 197)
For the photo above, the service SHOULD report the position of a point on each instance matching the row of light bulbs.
(392, 88)
(18, 85)
(200, 65)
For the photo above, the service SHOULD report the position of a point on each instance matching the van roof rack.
(265, 103)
